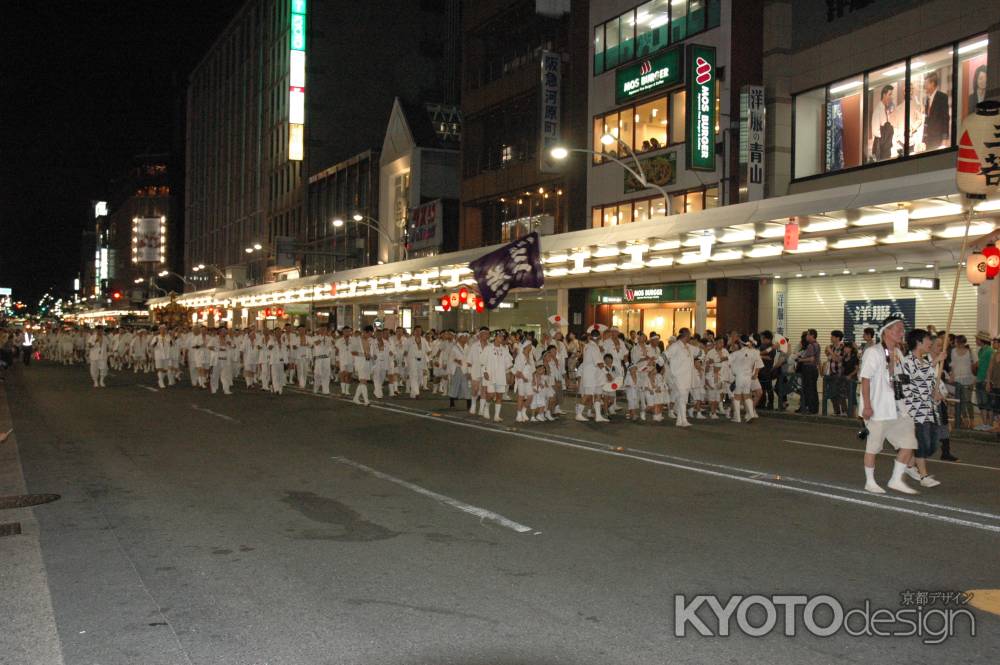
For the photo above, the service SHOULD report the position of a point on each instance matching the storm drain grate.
(26, 500)
(12, 529)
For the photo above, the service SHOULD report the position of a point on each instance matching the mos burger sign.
(648, 75)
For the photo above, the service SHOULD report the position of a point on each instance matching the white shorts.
(755, 385)
(524, 388)
(899, 432)
(743, 385)
(162, 363)
(363, 368)
(495, 388)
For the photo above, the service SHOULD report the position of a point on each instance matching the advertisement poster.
(660, 170)
(423, 226)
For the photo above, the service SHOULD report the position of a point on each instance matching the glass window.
(625, 213)
(676, 204)
(930, 101)
(598, 133)
(626, 42)
(678, 20)
(695, 201)
(809, 126)
(677, 116)
(972, 76)
(641, 210)
(611, 126)
(712, 197)
(599, 49)
(652, 27)
(886, 107)
(611, 44)
(696, 16)
(845, 124)
(714, 13)
(596, 220)
(651, 125)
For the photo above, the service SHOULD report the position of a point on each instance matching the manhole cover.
(26, 500)
(12, 529)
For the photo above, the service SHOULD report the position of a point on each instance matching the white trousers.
(321, 375)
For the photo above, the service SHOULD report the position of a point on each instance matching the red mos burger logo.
(645, 68)
(702, 70)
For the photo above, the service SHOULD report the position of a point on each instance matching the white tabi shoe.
(874, 488)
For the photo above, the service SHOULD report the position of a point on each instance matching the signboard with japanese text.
(549, 110)
(660, 170)
(701, 117)
(648, 75)
(861, 314)
(147, 240)
(752, 141)
(516, 265)
(423, 226)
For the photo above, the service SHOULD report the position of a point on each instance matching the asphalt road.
(296, 529)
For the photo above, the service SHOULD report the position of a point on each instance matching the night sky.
(84, 86)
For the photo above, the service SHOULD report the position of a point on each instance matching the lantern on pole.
(992, 255)
(977, 167)
(975, 268)
(463, 295)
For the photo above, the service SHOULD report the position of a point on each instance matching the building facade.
(287, 90)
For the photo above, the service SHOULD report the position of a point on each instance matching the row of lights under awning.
(821, 233)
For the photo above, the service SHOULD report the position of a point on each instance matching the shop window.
(611, 41)
(809, 122)
(695, 201)
(596, 220)
(657, 207)
(845, 124)
(677, 117)
(625, 214)
(931, 89)
(676, 204)
(651, 125)
(599, 49)
(652, 27)
(696, 16)
(972, 76)
(886, 100)
(712, 197)
(714, 14)
(626, 40)
(641, 211)
(598, 133)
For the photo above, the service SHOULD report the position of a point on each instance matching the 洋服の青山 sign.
(648, 75)
(701, 118)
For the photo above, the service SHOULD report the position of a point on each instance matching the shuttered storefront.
(818, 302)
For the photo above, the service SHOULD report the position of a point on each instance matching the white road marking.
(604, 449)
(217, 415)
(481, 513)
(150, 388)
(862, 450)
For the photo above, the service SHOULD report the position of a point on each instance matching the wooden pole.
(954, 287)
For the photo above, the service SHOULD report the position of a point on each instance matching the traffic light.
(116, 295)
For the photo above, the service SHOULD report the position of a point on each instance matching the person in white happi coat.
(162, 345)
(592, 372)
(743, 364)
(415, 356)
(251, 358)
(397, 348)
(524, 374)
(345, 361)
(66, 347)
(442, 355)
(381, 362)
(474, 367)
(496, 363)
(221, 353)
(98, 349)
(361, 348)
(277, 358)
(613, 345)
(301, 352)
(458, 382)
(680, 358)
(322, 350)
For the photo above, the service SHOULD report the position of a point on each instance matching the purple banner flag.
(517, 265)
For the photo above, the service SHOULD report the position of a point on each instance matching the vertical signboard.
(861, 314)
(297, 80)
(752, 141)
(423, 228)
(148, 235)
(551, 65)
(701, 77)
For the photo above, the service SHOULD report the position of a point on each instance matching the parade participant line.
(481, 513)
(861, 450)
(604, 450)
(217, 415)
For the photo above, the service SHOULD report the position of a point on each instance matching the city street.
(198, 528)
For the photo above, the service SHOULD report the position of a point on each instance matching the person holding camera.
(883, 407)
(923, 394)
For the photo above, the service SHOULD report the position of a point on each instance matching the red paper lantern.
(281, 312)
(480, 306)
(975, 268)
(463, 295)
(992, 255)
(454, 300)
(267, 311)
(791, 236)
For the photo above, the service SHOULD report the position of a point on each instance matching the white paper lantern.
(975, 268)
(976, 160)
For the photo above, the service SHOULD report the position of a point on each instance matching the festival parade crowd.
(893, 377)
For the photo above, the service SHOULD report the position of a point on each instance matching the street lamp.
(561, 152)
(373, 224)
(213, 268)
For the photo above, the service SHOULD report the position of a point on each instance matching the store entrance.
(665, 319)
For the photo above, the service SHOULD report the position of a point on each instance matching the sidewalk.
(28, 634)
